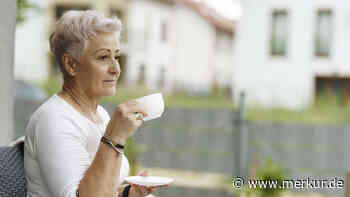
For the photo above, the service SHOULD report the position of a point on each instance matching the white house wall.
(153, 54)
(189, 56)
(194, 45)
(286, 81)
(223, 60)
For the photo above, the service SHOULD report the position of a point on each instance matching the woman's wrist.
(110, 150)
(115, 146)
(117, 139)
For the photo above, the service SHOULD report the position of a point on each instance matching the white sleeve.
(105, 114)
(61, 155)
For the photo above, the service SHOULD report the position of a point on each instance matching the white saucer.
(148, 181)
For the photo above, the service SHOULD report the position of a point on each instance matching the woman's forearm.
(102, 177)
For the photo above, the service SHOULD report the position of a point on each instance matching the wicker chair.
(12, 181)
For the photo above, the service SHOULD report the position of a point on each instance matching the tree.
(22, 7)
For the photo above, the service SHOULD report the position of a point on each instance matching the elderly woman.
(72, 146)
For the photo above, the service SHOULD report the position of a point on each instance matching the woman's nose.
(115, 68)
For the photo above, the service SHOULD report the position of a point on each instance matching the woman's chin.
(110, 92)
(106, 92)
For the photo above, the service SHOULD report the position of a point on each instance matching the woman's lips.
(110, 82)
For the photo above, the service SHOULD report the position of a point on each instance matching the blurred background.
(253, 88)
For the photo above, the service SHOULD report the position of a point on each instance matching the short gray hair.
(75, 28)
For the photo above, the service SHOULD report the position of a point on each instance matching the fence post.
(239, 140)
(347, 184)
(241, 106)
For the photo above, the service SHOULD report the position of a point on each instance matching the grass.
(314, 115)
(182, 100)
(124, 94)
(325, 112)
(188, 101)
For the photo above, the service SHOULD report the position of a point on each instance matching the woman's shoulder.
(54, 113)
(50, 121)
(51, 107)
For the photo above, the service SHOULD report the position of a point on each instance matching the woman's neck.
(81, 101)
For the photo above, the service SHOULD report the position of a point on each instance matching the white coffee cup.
(153, 105)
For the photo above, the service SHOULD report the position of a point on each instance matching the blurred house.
(34, 61)
(178, 45)
(293, 53)
(166, 44)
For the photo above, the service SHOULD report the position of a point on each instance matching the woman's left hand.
(141, 191)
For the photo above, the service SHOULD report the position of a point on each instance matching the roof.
(210, 14)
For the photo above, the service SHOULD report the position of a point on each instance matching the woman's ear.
(69, 64)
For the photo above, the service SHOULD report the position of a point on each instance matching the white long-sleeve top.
(60, 145)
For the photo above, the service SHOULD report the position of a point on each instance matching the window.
(332, 90)
(161, 79)
(123, 68)
(279, 33)
(323, 32)
(223, 41)
(218, 40)
(142, 75)
(164, 32)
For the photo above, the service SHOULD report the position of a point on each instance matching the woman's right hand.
(125, 121)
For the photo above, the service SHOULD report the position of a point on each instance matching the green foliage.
(185, 100)
(245, 191)
(332, 100)
(132, 151)
(328, 109)
(179, 99)
(22, 7)
(271, 171)
(126, 93)
(52, 86)
(319, 114)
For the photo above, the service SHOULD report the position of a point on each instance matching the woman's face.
(98, 69)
